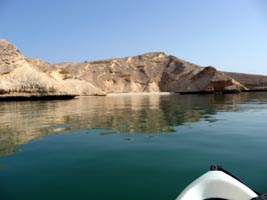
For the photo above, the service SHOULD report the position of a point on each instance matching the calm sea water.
(129, 147)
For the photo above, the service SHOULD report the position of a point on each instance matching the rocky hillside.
(251, 81)
(150, 72)
(25, 77)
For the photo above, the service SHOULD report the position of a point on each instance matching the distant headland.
(31, 78)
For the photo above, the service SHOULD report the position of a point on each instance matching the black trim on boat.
(261, 197)
(216, 167)
(215, 199)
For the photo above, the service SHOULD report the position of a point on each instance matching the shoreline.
(37, 98)
(69, 97)
(141, 94)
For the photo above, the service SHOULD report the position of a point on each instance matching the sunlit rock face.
(251, 81)
(10, 57)
(149, 72)
(31, 77)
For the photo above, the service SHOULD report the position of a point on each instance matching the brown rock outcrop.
(251, 81)
(32, 77)
(10, 57)
(150, 72)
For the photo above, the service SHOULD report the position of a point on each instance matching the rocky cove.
(24, 78)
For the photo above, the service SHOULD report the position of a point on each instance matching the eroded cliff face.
(32, 77)
(252, 81)
(150, 72)
(18, 77)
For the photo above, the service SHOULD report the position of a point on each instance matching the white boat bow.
(218, 184)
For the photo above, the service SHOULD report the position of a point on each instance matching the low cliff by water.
(150, 72)
(252, 81)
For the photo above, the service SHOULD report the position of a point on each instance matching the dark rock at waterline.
(36, 98)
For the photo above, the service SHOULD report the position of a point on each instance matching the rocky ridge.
(150, 72)
(20, 76)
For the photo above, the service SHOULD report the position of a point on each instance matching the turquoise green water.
(131, 147)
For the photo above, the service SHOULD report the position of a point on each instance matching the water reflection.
(21, 122)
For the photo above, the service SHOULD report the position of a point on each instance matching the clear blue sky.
(228, 34)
